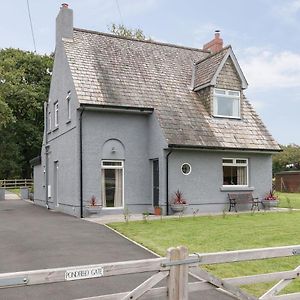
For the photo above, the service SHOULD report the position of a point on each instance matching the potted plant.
(157, 210)
(93, 207)
(177, 202)
(270, 200)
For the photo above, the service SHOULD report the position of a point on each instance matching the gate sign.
(76, 274)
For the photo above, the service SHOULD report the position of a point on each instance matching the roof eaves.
(202, 86)
(219, 148)
(212, 55)
(110, 107)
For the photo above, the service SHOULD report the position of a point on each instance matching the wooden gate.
(176, 268)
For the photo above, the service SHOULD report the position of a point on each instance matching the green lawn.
(293, 197)
(219, 233)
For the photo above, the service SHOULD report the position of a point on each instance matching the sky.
(264, 35)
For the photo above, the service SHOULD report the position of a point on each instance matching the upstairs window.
(235, 171)
(49, 121)
(68, 99)
(226, 103)
(56, 114)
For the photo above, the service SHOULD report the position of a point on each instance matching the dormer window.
(226, 103)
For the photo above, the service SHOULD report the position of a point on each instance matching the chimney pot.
(65, 5)
(214, 45)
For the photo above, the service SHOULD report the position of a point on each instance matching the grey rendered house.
(130, 122)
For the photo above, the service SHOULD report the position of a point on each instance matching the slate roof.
(111, 70)
(206, 68)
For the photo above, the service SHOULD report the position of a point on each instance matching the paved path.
(11, 196)
(32, 237)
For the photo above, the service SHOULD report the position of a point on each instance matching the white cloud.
(204, 33)
(287, 11)
(265, 69)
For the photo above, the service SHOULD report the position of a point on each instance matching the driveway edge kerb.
(132, 241)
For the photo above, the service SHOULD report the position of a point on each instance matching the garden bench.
(243, 198)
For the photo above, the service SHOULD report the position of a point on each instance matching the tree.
(6, 115)
(121, 30)
(289, 158)
(24, 87)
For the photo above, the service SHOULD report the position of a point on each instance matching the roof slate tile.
(111, 70)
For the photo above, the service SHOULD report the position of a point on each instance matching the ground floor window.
(235, 171)
(112, 182)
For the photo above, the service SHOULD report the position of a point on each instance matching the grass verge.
(221, 233)
(293, 197)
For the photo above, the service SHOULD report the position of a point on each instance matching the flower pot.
(157, 211)
(267, 204)
(93, 209)
(178, 208)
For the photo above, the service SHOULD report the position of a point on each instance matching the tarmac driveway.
(32, 237)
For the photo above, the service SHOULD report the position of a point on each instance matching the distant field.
(293, 197)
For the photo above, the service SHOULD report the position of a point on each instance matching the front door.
(155, 182)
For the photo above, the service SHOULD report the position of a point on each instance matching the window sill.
(56, 128)
(227, 117)
(49, 132)
(68, 122)
(236, 188)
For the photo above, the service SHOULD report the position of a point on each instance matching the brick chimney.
(214, 45)
(64, 23)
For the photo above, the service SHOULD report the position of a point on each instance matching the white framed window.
(235, 171)
(49, 121)
(186, 169)
(68, 99)
(112, 183)
(227, 103)
(56, 114)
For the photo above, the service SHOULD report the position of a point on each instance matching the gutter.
(167, 181)
(231, 149)
(46, 156)
(80, 155)
(115, 108)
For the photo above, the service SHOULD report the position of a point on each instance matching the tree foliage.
(121, 30)
(288, 159)
(24, 87)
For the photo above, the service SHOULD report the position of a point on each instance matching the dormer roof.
(206, 71)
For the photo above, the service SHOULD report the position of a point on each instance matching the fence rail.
(15, 183)
(175, 267)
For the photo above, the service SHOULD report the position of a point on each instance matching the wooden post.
(178, 277)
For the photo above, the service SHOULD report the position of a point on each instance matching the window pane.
(241, 161)
(235, 108)
(234, 93)
(224, 106)
(227, 161)
(112, 187)
(234, 175)
(186, 169)
(111, 163)
(220, 92)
